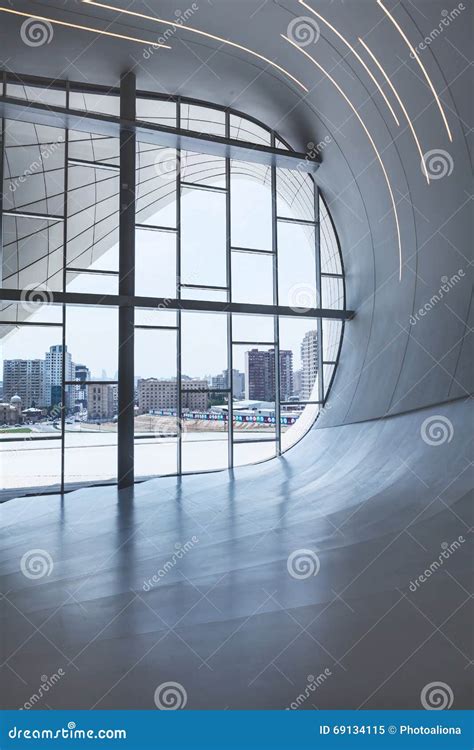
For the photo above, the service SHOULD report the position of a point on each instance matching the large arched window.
(231, 257)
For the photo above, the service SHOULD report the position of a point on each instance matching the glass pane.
(330, 258)
(203, 346)
(33, 168)
(156, 185)
(104, 103)
(295, 195)
(160, 316)
(332, 293)
(203, 169)
(246, 130)
(156, 422)
(93, 218)
(37, 94)
(155, 264)
(29, 464)
(91, 283)
(31, 312)
(209, 295)
(251, 203)
(27, 415)
(26, 371)
(32, 254)
(90, 453)
(204, 451)
(202, 119)
(92, 339)
(253, 453)
(155, 373)
(298, 338)
(222, 381)
(332, 331)
(203, 237)
(204, 428)
(255, 414)
(296, 266)
(253, 328)
(157, 454)
(93, 147)
(157, 111)
(252, 278)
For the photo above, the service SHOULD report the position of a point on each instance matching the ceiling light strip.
(415, 55)
(357, 56)
(82, 28)
(193, 30)
(402, 106)
(395, 213)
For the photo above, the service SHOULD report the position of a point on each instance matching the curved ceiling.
(393, 360)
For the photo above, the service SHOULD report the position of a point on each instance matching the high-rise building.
(53, 376)
(309, 359)
(101, 401)
(24, 378)
(82, 374)
(260, 374)
(163, 394)
(219, 382)
(286, 374)
(297, 384)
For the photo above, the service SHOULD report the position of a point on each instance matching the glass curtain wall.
(213, 390)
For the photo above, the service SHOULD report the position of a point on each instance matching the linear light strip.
(378, 64)
(82, 28)
(303, 51)
(192, 30)
(415, 55)
(357, 56)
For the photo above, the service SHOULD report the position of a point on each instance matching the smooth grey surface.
(374, 501)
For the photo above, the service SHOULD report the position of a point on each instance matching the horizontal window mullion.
(198, 186)
(168, 303)
(93, 164)
(91, 382)
(156, 228)
(18, 214)
(92, 271)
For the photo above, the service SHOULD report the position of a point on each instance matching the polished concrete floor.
(198, 581)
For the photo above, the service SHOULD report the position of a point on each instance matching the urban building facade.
(101, 401)
(219, 382)
(163, 394)
(24, 378)
(53, 377)
(309, 359)
(260, 374)
(10, 411)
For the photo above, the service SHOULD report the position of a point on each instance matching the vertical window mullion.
(230, 354)
(64, 309)
(179, 442)
(276, 321)
(317, 255)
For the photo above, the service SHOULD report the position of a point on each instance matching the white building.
(53, 376)
(309, 369)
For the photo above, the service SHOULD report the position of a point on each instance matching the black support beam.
(158, 135)
(126, 390)
(164, 303)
